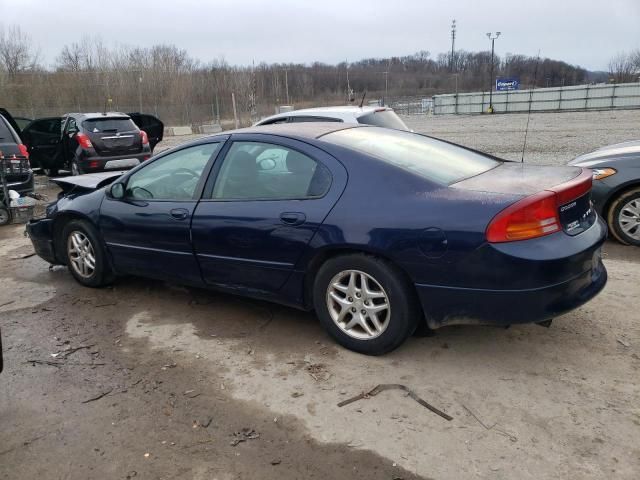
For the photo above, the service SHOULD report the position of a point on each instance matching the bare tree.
(622, 68)
(17, 53)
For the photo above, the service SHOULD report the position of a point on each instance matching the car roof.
(299, 130)
(342, 112)
(93, 115)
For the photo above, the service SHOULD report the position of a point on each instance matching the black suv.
(91, 142)
(18, 173)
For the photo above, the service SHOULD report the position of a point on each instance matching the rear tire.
(624, 217)
(85, 254)
(365, 303)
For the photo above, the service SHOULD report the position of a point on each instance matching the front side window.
(263, 171)
(172, 177)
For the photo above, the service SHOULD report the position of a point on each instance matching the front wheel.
(624, 217)
(50, 172)
(365, 303)
(85, 254)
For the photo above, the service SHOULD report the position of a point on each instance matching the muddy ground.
(151, 380)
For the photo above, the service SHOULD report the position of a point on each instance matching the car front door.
(261, 207)
(42, 138)
(147, 231)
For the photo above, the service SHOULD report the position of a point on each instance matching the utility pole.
(492, 37)
(453, 44)
(140, 93)
(286, 83)
(386, 87)
(235, 111)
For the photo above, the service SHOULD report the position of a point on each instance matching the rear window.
(433, 159)
(111, 125)
(383, 118)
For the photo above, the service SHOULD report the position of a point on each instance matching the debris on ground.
(277, 461)
(203, 422)
(297, 394)
(395, 386)
(244, 435)
(318, 371)
(510, 436)
(99, 396)
(623, 342)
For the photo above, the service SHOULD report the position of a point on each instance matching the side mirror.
(117, 191)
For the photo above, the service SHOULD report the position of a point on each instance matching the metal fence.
(581, 97)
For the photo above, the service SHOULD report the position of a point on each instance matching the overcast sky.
(583, 32)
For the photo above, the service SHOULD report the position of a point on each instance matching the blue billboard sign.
(506, 84)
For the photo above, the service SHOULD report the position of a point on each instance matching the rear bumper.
(451, 305)
(40, 233)
(455, 306)
(119, 162)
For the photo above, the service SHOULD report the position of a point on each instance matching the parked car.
(18, 173)
(616, 187)
(90, 142)
(378, 230)
(377, 116)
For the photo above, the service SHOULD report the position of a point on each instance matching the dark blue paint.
(435, 234)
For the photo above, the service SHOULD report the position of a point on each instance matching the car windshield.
(383, 118)
(97, 125)
(433, 159)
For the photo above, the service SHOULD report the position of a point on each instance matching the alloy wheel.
(358, 304)
(81, 254)
(629, 219)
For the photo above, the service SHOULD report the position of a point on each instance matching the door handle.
(293, 218)
(179, 213)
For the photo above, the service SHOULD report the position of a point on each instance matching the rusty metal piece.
(395, 386)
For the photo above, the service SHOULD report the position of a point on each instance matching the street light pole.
(492, 37)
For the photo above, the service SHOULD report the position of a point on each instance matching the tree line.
(90, 75)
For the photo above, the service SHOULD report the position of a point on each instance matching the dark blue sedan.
(380, 231)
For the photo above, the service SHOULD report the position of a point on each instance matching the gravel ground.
(167, 379)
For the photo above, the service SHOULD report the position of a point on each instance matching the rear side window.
(432, 159)
(6, 135)
(383, 118)
(304, 119)
(109, 125)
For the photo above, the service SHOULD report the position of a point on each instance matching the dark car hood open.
(91, 181)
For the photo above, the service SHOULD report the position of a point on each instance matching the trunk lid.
(571, 186)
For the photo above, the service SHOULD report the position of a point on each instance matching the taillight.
(23, 150)
(537, 215)
(531, 217)
(144, 138)
(83, 141)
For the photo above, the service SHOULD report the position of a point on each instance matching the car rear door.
(151, 125)
(261, 207)
(147, 232)
(43, 140)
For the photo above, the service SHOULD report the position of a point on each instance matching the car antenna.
(526, 130)
(362, 99)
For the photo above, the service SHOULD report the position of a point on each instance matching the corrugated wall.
(582, 97)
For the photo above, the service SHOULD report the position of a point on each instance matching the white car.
(369, 115)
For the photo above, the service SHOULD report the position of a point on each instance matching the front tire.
(365, 303)
(50, 172)
(85, 254)
(624, 217)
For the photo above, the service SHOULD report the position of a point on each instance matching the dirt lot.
(165, 380)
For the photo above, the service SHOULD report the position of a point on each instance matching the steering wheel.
(142, 193)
